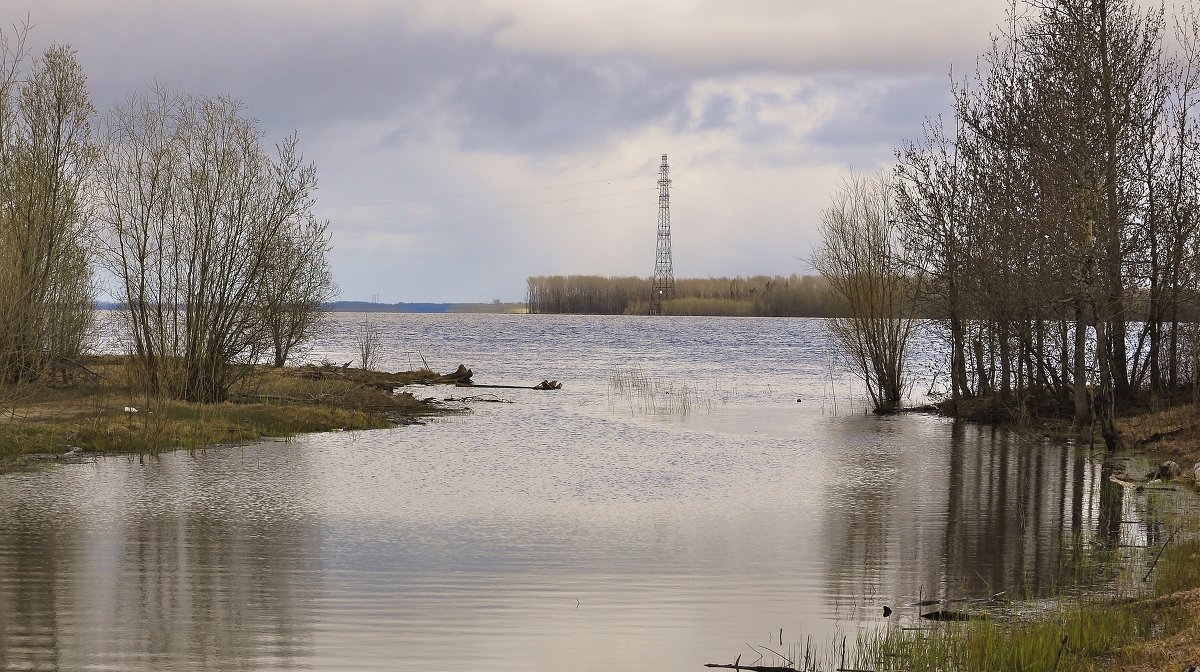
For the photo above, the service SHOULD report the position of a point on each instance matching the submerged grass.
(1156, 630)
(1146, 619)
(1077, 636)
(642, 393)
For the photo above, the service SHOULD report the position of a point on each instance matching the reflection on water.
(561, 530)
(145, 565)
(988, 512)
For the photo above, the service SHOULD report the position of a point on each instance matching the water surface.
(584, 529)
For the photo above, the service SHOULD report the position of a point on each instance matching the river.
(695, 487)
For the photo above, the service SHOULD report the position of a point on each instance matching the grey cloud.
(718, 112)
(886, 118)
(535, 103)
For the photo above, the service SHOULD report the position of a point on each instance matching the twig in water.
(1059, 656)
(789, 661)
(1159, 555)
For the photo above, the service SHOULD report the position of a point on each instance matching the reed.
(649, 395)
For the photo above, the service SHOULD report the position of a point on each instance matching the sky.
(465, 145)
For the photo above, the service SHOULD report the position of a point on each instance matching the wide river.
(695, 487)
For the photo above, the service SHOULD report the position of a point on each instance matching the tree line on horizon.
(208, 235)
(758, 296)
(1052, 221)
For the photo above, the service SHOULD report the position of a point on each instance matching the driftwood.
(1125, 484)
(479, 398)
(460, 375)
(752, 668)
(544, 385)
(947, 615)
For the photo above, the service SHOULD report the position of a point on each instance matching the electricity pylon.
(664, 277)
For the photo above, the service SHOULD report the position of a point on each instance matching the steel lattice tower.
(664, 277)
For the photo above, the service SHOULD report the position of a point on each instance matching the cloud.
(530, 104)
(716, 35)
(465, 145)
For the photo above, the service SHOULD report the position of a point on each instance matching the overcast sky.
(464, 145)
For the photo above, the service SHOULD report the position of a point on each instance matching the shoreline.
(311, 399)
(103, 414)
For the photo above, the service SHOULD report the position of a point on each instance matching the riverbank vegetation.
(1156, 631)
(1125, 607)
(207, 239)
(1053, 220)
(209, 243)
(760, 296)
(107, 409)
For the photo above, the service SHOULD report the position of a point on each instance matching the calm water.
(582, 529)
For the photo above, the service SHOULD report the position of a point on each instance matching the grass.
(1092, 632)
(649, 395)
(93, 415)
(1096, 621)
(1158, 630)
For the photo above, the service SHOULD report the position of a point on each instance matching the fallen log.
(752, 668)
(1124, 484)
(460, 375)
(947, 615)
(540, 386)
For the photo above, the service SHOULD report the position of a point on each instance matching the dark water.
(592, 528)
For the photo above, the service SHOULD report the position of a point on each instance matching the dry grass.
(1173, 432)
(96, 413)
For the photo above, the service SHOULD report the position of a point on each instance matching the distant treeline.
(761, 296)
(372, 307)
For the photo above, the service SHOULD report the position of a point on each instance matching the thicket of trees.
(46, 152)
(1056, 215)
(778, 296)
(209, 239)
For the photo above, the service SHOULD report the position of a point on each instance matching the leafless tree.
(203, 228)
(861, 258)
(46, 154)
(296, 282)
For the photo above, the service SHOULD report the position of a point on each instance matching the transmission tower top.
(663, 287)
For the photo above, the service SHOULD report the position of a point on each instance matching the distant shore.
(372, 307)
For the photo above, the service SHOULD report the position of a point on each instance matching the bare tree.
(297, 282)
(933, 203)
(45, 158)
(860, 257)
(199, 222)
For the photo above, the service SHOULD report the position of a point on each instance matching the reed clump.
(643, 393)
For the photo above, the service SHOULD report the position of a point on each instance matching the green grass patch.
(269, 402)
(1179, 568)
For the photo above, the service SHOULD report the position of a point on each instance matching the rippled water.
(580, 529)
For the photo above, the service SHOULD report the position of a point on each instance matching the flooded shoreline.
(558, 527)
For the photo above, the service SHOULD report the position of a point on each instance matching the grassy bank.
(1160, 631)
(1144, 626)
(103, 412)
